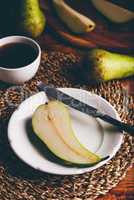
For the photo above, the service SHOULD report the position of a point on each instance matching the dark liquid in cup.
(15, 55)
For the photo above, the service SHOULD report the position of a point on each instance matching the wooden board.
(106, 34)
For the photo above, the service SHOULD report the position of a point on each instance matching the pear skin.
(32, 18)
(104, 65)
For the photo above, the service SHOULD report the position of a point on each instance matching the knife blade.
(54, 93)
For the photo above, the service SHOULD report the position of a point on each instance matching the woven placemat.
(19, 181)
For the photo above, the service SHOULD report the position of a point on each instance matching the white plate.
(96, 135)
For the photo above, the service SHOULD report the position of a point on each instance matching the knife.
(54, 93)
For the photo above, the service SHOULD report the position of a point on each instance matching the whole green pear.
(32, 19)
(104, 65)
(21, 16)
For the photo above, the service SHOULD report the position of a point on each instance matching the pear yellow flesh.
(75, 21)
(61, 120)
(52, 135)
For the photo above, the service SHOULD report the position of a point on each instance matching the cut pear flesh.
(61, 119)
(52, 124)
(113, 12)
(74, 20)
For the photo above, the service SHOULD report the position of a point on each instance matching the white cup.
(21, 74)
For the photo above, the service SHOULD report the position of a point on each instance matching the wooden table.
(125, 189)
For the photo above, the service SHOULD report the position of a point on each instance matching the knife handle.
(121, 125)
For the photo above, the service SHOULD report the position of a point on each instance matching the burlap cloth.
(19, 181)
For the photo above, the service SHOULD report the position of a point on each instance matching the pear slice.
(51, 123)
(113, 12)
(61, 120)
(74, 20)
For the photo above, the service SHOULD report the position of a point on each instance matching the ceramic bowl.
(21, 74)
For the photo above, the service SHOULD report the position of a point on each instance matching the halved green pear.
(51, 123)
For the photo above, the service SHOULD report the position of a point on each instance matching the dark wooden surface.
(124, 190)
